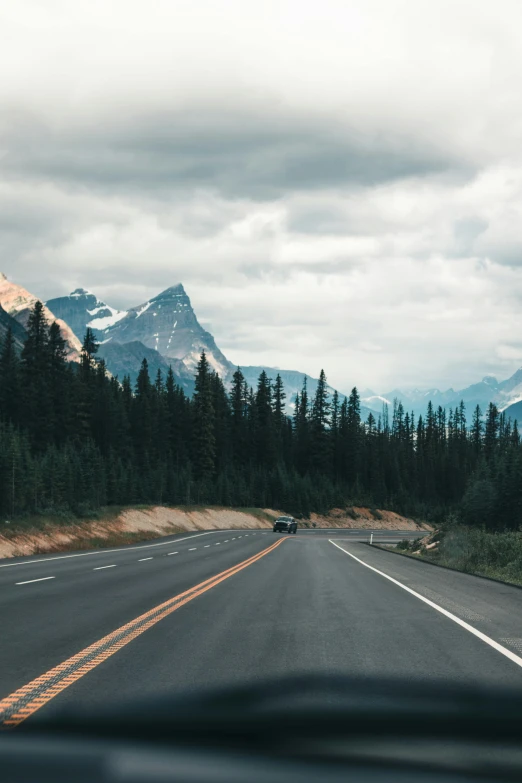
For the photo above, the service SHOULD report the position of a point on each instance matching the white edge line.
(492, 643)
(110, 551)
(142, 559)
(42, 579)
(100, 568)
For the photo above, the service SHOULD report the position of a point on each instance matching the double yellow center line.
(19, 705)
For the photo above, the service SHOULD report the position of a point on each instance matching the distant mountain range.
(505, 394)
(165, 331)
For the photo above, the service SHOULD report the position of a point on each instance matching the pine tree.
(9, 380)
(62, 413)
(302, 430)
(353, 435)
(239, 413)
(278, 402)
(477, 430)
(204, 442)
(265, 436)
(320, 452)
(35, 382)
(491, 430)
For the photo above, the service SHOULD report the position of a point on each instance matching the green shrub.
(475, 551)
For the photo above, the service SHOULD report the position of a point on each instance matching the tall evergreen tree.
(204, 441)
(320, 441)
(9, 380)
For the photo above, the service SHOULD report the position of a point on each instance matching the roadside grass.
(495, 555)
(60, 519)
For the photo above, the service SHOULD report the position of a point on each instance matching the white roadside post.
(371, 538)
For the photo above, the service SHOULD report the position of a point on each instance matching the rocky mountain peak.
(174, 290)
(82, 309)
(168, 324)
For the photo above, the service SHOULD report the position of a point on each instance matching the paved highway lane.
(305, 605)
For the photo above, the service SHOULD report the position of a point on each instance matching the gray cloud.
(344, 190)
(235, 153)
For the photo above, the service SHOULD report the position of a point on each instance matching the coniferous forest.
(74, 439)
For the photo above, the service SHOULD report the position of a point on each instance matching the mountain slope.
(18, 303)
(82, 309)
(18, 331)
(126, 358)
(167, 324)
(514, 412)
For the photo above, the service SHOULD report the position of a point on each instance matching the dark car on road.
(285, 525)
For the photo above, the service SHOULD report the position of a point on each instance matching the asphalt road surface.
(224, 607)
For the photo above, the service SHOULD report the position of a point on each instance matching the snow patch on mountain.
(143, 309)
(108, 320)
(375, 399)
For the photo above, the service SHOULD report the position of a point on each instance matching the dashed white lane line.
(142, 559)
(100, 568)
(110, 551)
(193, 549)
(30, 581)
(218, 543)
(492, 643)
(226, 541)
(234, 538)
(172, 553)
(206, 546)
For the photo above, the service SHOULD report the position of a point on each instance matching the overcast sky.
(337, 183)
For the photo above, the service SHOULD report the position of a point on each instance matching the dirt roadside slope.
(133, 525)
(357, 517)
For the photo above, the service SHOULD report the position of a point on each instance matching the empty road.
(224, 607)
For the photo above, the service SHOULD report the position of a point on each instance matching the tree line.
(74, 439)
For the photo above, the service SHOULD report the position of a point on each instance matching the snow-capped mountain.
(18, 303)
(167, 323)
(82, 309)
(165, 331)
(489, 389)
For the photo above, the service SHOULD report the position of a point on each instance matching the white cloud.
(337, 184)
